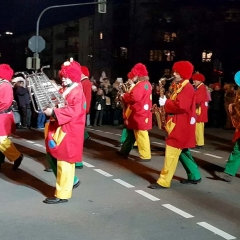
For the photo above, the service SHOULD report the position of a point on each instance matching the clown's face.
(66, 81)
(177, 77)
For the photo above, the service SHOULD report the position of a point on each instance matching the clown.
(180, 126)
(65, 131)
(201, 107)
(7, 125)
(87, 90)
(138, 115)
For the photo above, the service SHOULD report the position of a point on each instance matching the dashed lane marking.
(125, 184)
(147, 195)
(211, 155)
(177, 210)
(38, 145)
(194, 151)
(87, 164)
(29, 141)
(98, 130)
(159, 143)
(216, 231)
(103, 172)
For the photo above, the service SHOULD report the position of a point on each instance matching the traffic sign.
(32, 42)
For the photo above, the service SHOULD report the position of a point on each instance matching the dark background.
(20, 16)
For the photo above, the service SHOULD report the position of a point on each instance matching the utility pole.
(33, 43)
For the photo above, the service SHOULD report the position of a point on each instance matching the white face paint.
(177, 77)
(66, 81)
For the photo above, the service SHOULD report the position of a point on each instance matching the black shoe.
(224, 176)
(54, 200)
(122, 154)
(79, 167)
(17, 162)
(199, 147)
(48, 170)
(156, 186)
(188, 181)
(76, 184)
(143, 160)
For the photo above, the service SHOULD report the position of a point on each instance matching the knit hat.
(85, 71)
(198, 77)
(139, 70)
(6, 72)
(72, 70)
(216, 85)
(183, 68)
(130, 75)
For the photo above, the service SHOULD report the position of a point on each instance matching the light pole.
(101, 9)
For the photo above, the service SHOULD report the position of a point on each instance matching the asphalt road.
(113, 201)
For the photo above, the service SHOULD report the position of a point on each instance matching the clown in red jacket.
(180, 126)
(7, 125)
(138, 115)
(65, 131)
(201, 107)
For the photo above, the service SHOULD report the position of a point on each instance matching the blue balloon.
(237, 78)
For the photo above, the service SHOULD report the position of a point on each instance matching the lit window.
(123, 52)
(155, 55)
(101, 35)
(167, 72)
(206, 56)
(166, 37)
(169, 55)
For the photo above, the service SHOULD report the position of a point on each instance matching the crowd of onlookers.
(106, 109)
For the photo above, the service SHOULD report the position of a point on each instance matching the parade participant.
(138, 116)
(65, 131)
(201, 107)
(233, 162)
(87, 90)
(180, 126)
(130, 85)
(7, 125)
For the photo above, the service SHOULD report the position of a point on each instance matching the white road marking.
(29, 141)
(38, 145)
(87, 164)
(147, 195)
(159, 143)
(211, 155)
(98, 130)
(216, 230)
(108, 132)
(117, 134)
(194, 151)
(103, 172)
(125, 184)
(177, 210)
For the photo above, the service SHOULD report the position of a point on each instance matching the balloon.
(237, 78)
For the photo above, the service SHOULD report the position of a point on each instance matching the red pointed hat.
(198, 77)
(85, 71)
(6, 72)
(72, 70)
(139, 70)
(183, 68)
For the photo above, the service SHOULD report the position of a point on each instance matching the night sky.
(20, 16)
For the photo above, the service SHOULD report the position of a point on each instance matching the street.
(113, 201)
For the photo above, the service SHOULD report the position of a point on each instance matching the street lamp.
(35, 46)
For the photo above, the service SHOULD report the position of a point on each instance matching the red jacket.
(7, 124)
(139, 101)
(87, 89)
(64, 136)
(181, 117)
(201, 103)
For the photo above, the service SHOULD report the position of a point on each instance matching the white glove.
(48, 111)
(162, 100)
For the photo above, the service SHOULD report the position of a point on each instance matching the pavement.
(113, 201)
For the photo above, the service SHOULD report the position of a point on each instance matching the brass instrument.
(159, 111)
(43, 93)
(123, 88)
